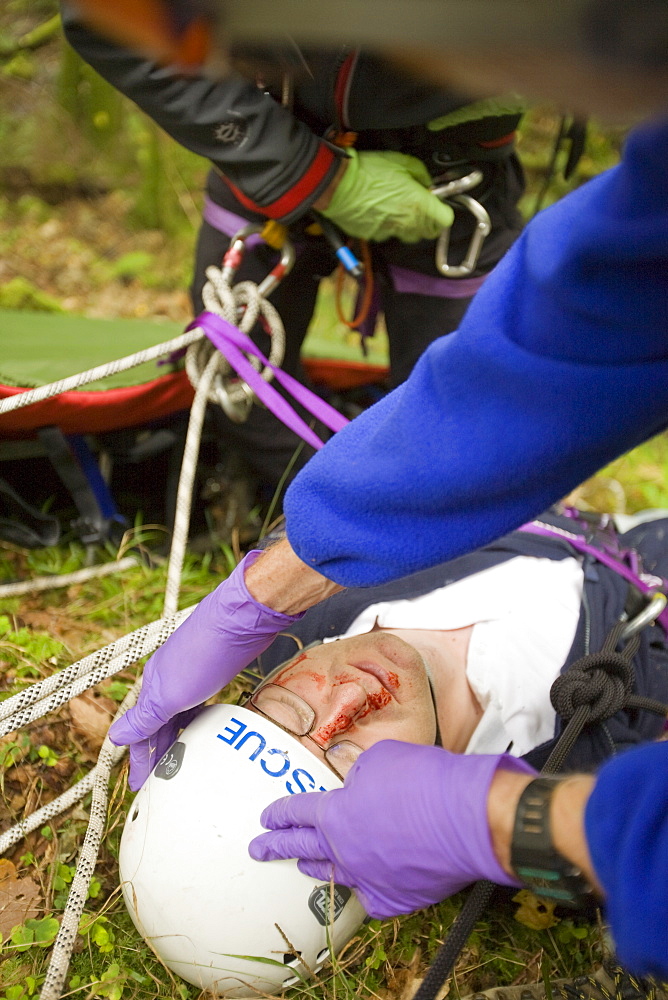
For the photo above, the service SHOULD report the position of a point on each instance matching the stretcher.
(40, 348)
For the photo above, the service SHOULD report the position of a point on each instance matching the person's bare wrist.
(281, 581)
(323, 201)
(566, 818)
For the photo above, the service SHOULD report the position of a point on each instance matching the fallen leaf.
(534, 911)
(19, 899)
(91, 715)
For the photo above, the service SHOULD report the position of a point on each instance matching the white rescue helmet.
(213, 915)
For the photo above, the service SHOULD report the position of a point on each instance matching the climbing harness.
(591, 690)
(623, 562)
(455, 193)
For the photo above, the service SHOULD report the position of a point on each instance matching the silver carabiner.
(237, 249)
(647, 616)
(460, 185)
(455, 191)
(238, 410)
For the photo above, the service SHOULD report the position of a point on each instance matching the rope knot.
(243, 306)
(601, 681)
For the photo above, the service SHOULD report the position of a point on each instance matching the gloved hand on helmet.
(384, 194)
(225, 633)
(408, 829)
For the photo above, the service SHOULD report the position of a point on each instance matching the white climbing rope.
(95, 374)
(214, 381)
(61, 953)
(54, 582)
(243, 306)
(40, 699)
(210, 375)
(46, 695)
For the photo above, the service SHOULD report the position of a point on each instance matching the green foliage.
(633, 482)
(131, 265)
(21, 66)
(102, 936)
(93, 104)
(158, 175)
(10, 753)
(19, 992)
(110, 983)
(116, 690)
(546, 183)
(26, 652)
(47, 755)
(62, 879)
(19, 293)
(35, 933)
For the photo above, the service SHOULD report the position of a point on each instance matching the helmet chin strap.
(438, 742)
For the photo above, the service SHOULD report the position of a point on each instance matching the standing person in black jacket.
(272, 161)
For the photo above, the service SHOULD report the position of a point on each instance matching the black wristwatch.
(532, 854)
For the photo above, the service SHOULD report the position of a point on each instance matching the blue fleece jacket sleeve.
(626, 823)
(560, 364)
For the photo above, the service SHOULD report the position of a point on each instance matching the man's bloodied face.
(362, 689)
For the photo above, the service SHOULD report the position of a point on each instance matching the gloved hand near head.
(384, 194)
(409, 827)
(225, 633)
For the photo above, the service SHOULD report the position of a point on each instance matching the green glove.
(387, 194)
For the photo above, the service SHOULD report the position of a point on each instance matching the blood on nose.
(350, 705)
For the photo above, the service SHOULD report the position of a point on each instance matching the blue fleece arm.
(626, 823)
(560, 364)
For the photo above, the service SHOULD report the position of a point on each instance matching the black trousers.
(413, 321)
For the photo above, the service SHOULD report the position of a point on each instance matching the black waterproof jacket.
(278, 160)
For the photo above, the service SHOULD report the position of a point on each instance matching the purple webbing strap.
(231, 343)
(228, 223)
(646, 583)
(415, 283)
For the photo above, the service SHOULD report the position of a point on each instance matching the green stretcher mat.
(38, 348)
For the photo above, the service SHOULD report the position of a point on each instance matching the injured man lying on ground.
(463, 655)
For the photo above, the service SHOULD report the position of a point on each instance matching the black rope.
(601, 681)
(594, 688)
(447, 955)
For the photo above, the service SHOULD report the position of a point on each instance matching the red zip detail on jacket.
(291, 200)
(504, 140)
(340, 89)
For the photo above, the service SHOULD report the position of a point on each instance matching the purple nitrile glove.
(225, 633)
(408, 829)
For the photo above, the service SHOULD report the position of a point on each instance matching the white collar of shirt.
(524, 612)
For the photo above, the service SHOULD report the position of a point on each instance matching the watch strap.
(533, 857)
